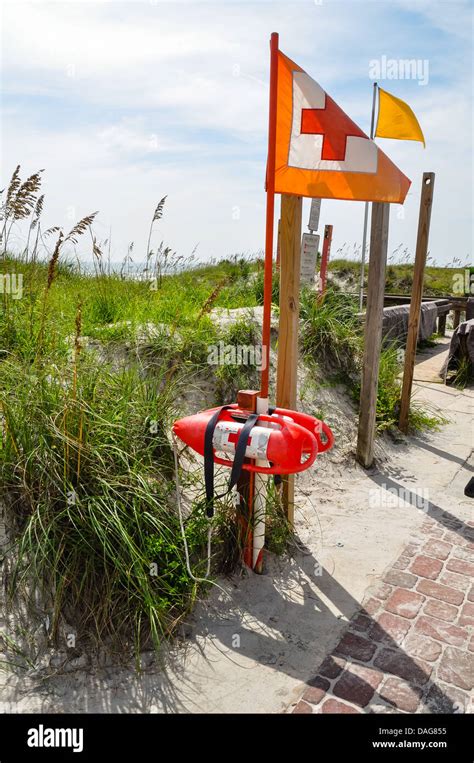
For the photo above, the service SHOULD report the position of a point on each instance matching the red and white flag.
(321, 152)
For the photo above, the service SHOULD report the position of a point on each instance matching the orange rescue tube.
(289, 441)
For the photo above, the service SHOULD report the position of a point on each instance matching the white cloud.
(453, 17)
(123, 103)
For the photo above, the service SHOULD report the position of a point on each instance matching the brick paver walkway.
(411, 646)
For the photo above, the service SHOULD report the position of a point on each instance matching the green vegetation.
(439, 281)
(87, 469)
(259, 286)
(331, 334)
(85, 461)
(463, 372)
(239, 375)
(92, 369)
(108, 299)
(332, 337)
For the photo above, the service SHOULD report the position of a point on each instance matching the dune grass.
(85, 459)
(438, 281)
(87, 470)
(332, 336)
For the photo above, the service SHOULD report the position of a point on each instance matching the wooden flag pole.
(373, 332)
(287, 363)
(426, 202)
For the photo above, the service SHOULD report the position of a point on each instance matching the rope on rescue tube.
(181, 522)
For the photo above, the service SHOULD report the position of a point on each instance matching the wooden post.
(373, 332)
(442, 324)
(426, 201)
(325, 259)
(287, 363)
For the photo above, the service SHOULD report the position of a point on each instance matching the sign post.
(325, 259)
(309, 257)
(314, 214)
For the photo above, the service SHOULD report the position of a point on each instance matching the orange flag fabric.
(321, 152)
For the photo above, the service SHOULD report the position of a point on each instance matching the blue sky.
(124, 102)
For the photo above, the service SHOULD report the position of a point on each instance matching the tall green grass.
(438, 281)
(86, 467)
(86, 470)
(331, 331)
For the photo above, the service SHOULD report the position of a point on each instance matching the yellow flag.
(396, 119)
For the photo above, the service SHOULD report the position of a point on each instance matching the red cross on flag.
(320, 151)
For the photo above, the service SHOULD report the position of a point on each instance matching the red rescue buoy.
(288, 440)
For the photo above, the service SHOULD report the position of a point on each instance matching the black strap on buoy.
(237, 463)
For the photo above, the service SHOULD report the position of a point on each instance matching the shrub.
(87, 471)
(332, 336)
(331, 332)
(259, 284)
(230, 377)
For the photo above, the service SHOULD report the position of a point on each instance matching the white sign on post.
(314, 214)
(309, 255)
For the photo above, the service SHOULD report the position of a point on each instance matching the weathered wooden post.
(325, 259)
(373, 332)
(287, 367)
(426, 201)
(442, 324)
